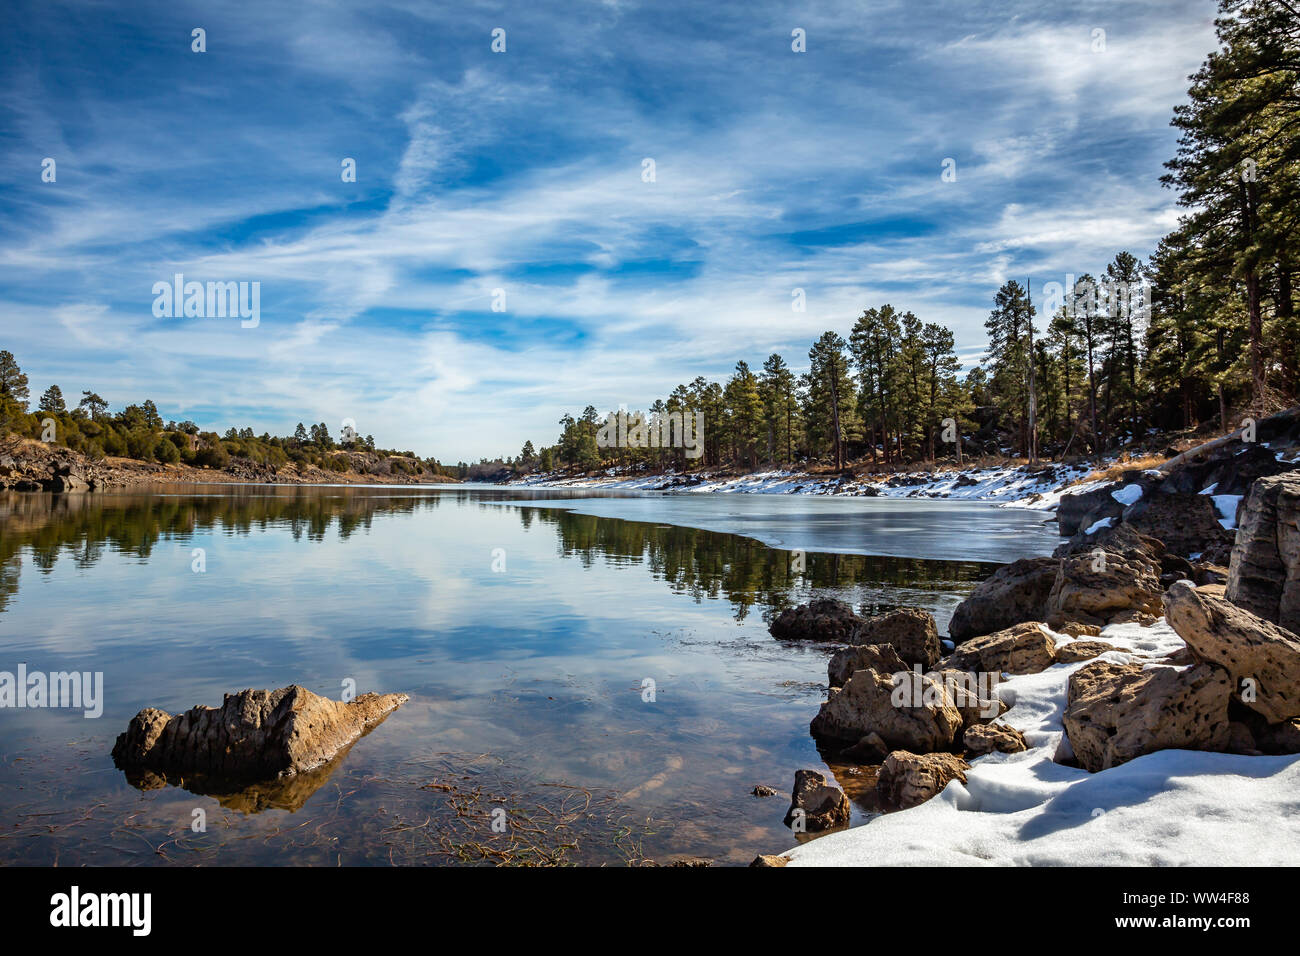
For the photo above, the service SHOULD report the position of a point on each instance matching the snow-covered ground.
(1173, 807)
(1018, 485)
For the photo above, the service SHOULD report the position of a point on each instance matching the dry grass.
(1125, 466)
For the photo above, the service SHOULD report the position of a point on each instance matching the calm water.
(526, 679)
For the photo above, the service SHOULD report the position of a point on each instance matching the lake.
(597, 665)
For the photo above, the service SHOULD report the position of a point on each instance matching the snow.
(1226, 505)
(1098, 525)
(1128, 494)
(1173, 807)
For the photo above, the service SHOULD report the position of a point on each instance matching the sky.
(625, 197)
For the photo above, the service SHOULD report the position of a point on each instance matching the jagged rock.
(825, 619)
(770, 860)
(1023, 649)
(976, 704)
(763, 791)
(1115, 572)
(907, 779)
(1116, 712)
(880, 657)
(1262, 658)
(1075, 651)
(914, 714)
(1264, 576)
(1203, 572)
(909, 630)
(814, 804)
(1014, 593)
(980, 739)
(1185, 522)
(255, 734)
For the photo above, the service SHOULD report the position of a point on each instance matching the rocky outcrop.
(770, 859)
(907, 779)
(1184, 522)
(909, 631)
(1013, 594)
(1262, 659)
(1109, 577)
(1023, 649)
(825, 620)
(255, 734)
(1264, 577)
(879, 712)
(980, 739)
(1078, 512)
(1116, 712)
(881, 658)
(815, 805)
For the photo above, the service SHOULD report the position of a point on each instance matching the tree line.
(1204, 329)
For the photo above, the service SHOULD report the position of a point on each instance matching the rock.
(1075, 651)
(1252, 650)
(909, 631)
(815, 805)
(1014, 593)
(1023, 649)
(255, 734)
(923, 718)
(763, 791)
(907, 779)
(1080, 511)
(1240, 739)
(1075, 629)
(1280, 738)
(1264, 576)
(1116, 712)
(879, 657)
(692, 861)
(1203, 572)
(1185, 522)
(826, 620)
(773, 860)
(977, 704)
(1116, 572)
(980, 739)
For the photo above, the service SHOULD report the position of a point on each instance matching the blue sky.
(522, 171)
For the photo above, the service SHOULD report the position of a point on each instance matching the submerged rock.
(872, 709)
(1013, 594)
(1262, 658)
(907, 779)
(255, 734)
(814, 804)
(826, 620)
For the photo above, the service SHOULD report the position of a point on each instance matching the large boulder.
(815, 805)
(825, 620)
(1264, 576)
(1023, 649)
(883, 712)
(1186, 523)
(907, 779)
(1262, 658)
(1116, 712)
(1013, 593)
(879, 657)
(255, 734)
(1111, 576)
(909, 630)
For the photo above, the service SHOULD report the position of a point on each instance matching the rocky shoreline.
(32, 466)
(1167, 621)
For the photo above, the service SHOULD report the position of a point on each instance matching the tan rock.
(914, 713)
(910, 631)
(1023, 649)
(1117, 712)
(770, 860)
(815, 805)
(1262, 658)
(1076, 651)
(907, 779)
(881, 658)
(1014, 593)
(1117, 572)
(825, 619)
(1075, 629)
(255, 734)
(982, 739)
(1264, 576)
(976, 701)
